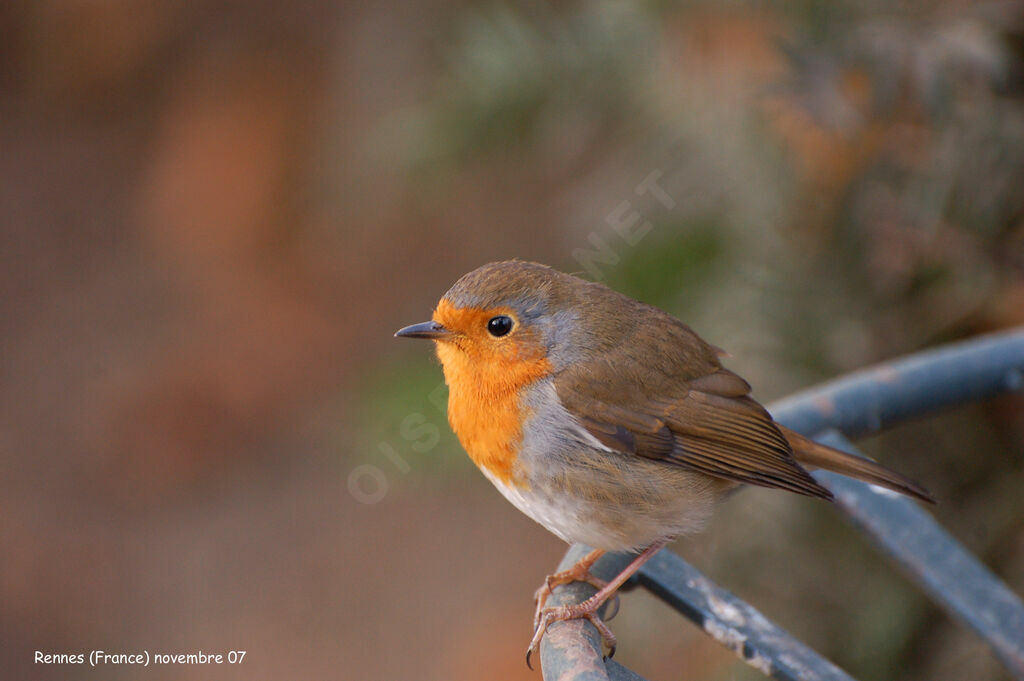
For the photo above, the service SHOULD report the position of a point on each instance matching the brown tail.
(810, 454)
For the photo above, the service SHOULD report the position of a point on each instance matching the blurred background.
(216, 213)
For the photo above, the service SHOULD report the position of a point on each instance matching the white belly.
(617, 518)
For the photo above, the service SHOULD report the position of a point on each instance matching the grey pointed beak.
(429, 330)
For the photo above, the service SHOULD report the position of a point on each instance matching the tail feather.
(811, 454)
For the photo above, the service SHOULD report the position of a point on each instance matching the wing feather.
(707, 423)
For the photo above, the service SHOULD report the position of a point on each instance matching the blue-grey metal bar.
(572, 651)
(734, 623)
(888, 394)
(932, 558)
(869, 400)
(859, 403)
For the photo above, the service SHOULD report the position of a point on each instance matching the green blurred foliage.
(668, 268)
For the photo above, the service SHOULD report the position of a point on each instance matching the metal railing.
(857, 404)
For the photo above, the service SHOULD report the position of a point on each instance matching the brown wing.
(706, 423)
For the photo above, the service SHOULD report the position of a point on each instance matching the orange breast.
(484, 406)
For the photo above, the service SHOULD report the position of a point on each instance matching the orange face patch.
(484, 376)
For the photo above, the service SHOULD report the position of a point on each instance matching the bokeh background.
(216, 213)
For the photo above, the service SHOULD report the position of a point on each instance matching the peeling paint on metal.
(727, 636)
(885, 492)
(761, 663)
(796, 666)
(726, 611)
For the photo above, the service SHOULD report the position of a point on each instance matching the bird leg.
(588, 608)
(579, 572)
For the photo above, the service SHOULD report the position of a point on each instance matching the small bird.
(606, 420)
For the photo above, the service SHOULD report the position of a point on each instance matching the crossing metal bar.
(887, 394)
(933, 559)
(859, 403)
(734, 623)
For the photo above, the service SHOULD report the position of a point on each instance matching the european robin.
(606, 420)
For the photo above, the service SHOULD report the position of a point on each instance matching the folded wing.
(707, 424)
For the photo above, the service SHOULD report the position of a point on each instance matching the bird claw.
(588, 609)
(580, 572)
(585, 610)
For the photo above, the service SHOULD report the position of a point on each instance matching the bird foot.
(579, 572)
(585, 610)
(588, 608)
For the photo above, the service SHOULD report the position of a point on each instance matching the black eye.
(499, 326)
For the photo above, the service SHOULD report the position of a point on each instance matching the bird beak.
(429, 330)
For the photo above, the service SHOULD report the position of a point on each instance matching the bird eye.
(499, 326)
